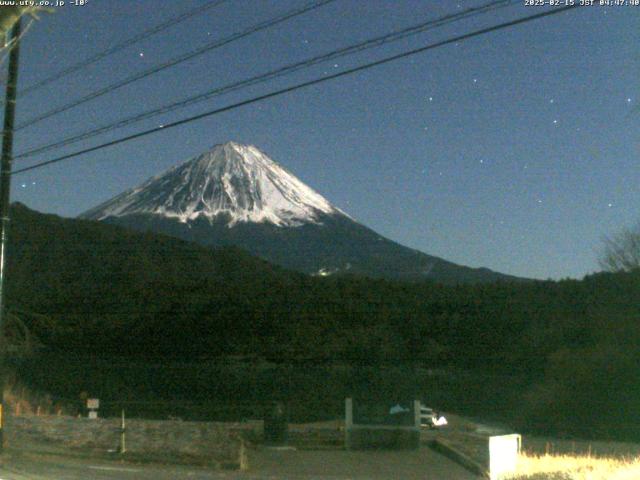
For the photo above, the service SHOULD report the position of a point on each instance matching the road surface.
(265, 464)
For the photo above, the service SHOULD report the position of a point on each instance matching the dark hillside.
(108, 296)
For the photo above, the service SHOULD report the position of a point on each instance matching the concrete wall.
(362, 438)
(213, 443)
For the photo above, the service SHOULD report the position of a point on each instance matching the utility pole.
(5, 191)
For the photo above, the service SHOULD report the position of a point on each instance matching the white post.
(348, 422)
(123, 429)
(348, 409)
(416, 413)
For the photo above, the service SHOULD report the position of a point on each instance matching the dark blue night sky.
(517, 150)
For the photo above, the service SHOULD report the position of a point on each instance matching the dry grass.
(20, 400)
(572, 467)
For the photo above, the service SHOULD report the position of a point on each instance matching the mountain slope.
(236, 195)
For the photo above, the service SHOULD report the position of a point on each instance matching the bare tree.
(621, 253)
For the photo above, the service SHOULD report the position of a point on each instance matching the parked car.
(429, 418)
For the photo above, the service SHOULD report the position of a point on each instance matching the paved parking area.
(265, 464)
(423, 464)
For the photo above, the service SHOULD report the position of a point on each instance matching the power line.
(280, 72)
(299, 86)
(121, 46)
(177, 60)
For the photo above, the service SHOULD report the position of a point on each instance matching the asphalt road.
(266, 464)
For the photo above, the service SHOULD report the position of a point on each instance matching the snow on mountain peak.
(232, 179)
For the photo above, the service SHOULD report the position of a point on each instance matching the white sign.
(93, 403)
(93, 414)
(503, 455)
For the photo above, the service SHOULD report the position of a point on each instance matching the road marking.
(114, 469)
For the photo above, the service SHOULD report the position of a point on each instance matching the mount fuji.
(236, 195)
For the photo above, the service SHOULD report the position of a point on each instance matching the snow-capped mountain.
(236, 195)
(237, 181)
